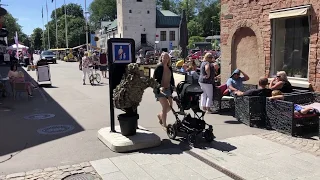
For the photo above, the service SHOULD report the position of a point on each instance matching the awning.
(290, 12)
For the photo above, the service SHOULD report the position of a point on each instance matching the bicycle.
(94, 76)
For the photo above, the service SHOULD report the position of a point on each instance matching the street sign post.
(121, 52)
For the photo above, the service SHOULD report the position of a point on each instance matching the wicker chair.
(223, 100)
(19, 88)
(280, 114)
(250, 110)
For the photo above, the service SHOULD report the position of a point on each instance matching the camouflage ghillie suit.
(128, 94)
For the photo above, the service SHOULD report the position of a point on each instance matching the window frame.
(273, 47)
(170, 35)
(165, 36)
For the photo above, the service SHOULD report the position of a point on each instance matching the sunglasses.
(278, 76)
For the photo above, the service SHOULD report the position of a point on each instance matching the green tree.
(12, 27)
(210, 19)
(36, 38)
(193, 40)
(102, 10)
(75, 27)
(73, 9)
(195, 28)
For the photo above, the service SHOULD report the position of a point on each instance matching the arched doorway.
(245, 54)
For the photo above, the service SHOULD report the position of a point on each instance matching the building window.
(172, 36)
(163, 35)
(290, 46)
(148, 12)
(130, 11)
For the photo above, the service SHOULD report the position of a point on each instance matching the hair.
(86, 53)
(161, 58)
(206, 56)
(13, 66)
(283, 75)
(263, 81)
(276, 93)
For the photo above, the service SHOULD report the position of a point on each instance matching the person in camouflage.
(128, 94)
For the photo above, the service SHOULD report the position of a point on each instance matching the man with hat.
(235, 82)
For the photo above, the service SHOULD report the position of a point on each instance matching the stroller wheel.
(171, 131)
(208, 135)
(192, 138)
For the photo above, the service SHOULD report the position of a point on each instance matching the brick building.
(262, 37)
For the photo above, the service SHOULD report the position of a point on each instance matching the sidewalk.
(250, 157)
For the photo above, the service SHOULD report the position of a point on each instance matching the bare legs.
(165, 103)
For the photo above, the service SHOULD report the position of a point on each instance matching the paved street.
(33, 148)
(86, 109)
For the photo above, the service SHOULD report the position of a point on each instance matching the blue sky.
(28, 12)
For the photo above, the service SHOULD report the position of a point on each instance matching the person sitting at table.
(184, 68)
(18, 77)
(261, 91)
(235, 82)
(298, 109)
(280, 82)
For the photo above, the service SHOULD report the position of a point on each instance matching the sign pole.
(111, 94)
(120, 53)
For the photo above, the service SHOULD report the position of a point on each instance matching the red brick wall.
(257, 11)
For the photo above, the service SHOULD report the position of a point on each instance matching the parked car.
(196, 55)
(49, 56)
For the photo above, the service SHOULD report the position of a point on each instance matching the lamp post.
(85, 14)
(65, 21)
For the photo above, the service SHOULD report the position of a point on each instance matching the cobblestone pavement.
(54, 173)
(306, 145)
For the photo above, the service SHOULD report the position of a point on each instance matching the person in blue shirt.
(235, 82)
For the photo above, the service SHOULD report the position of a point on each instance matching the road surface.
(84, 109)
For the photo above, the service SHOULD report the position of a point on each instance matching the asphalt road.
(84, 109)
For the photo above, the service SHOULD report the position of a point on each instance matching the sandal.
(160, 121)
(164, 128)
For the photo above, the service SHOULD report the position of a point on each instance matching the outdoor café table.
(4, 81)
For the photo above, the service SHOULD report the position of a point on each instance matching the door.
(143, 39)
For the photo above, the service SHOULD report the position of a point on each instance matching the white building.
(143, 22)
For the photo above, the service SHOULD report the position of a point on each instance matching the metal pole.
(85, 14)
(48, 27)
(43, 38)
(66, 26)
(55, 12)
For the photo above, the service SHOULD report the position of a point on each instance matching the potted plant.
(128, 95)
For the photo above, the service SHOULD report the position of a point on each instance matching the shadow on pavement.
(167, 147)
(26, 123)
(232, 122)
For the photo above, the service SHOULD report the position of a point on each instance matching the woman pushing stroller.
(163, 74)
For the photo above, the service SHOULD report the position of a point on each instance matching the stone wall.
(254, 14)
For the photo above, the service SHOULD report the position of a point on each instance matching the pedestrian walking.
(81, 54)
(103, 64)
(86, 62)
(206, 81)
(163, 74)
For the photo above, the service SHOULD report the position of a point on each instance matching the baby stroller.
(188, 98)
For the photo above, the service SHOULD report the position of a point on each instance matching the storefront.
(261, 37)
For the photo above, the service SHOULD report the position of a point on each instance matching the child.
(298, 109)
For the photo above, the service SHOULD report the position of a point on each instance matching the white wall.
(139, 21)
(165, 44)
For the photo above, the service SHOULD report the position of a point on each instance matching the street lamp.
(85, 14)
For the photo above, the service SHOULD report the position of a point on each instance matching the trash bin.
(43, 72)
